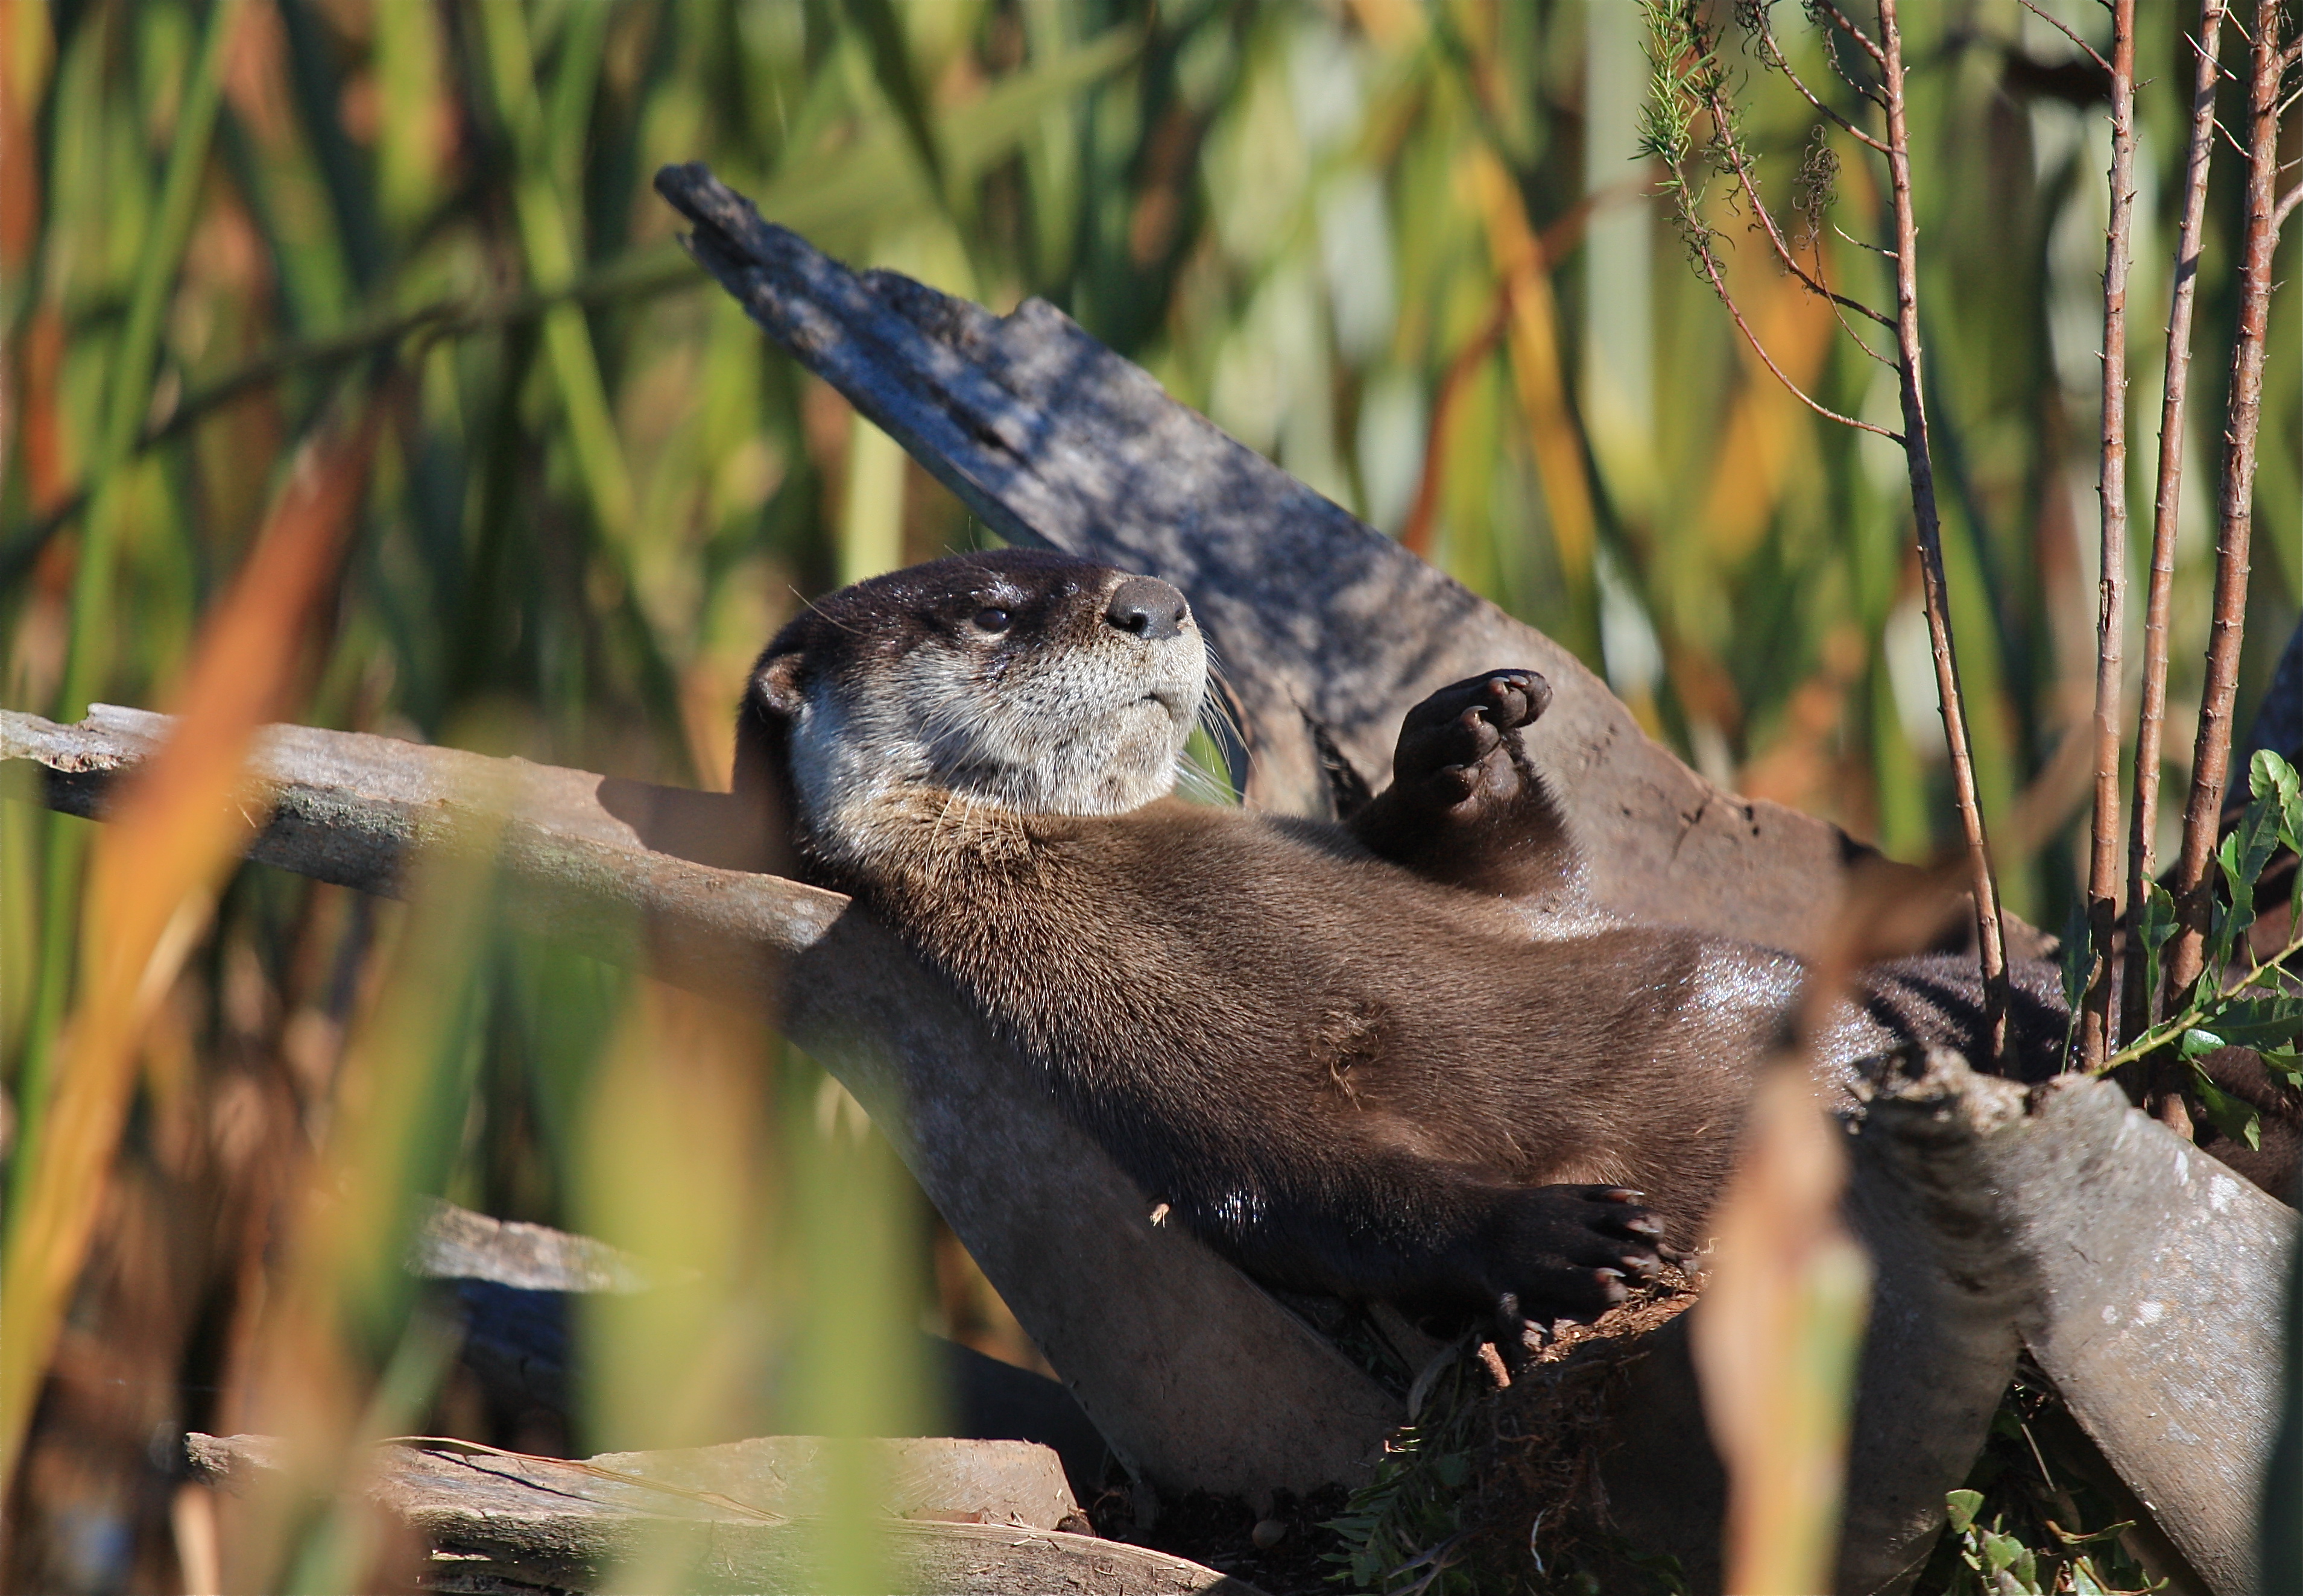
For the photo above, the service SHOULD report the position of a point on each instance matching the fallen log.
(513, 1285)
(1325, 627)
(963, 1516)
(1329, 633)
(1195, 1377)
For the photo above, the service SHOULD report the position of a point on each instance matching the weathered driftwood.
(1979, 1212)
(1195, 1377)
(1316, 617)
(512, 1286)
(1325, 629)
(2147, 1281)
(975, 1517)
(455, 1243)
(2161, 1312)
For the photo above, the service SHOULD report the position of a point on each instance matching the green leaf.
(2235, 1118)
(1961, 1507)
(2242, 856)
(2268, 776)
(2285, 1060)
(2197, 1042)
(2273, 1021)
(2077, 967)
(2158, 916)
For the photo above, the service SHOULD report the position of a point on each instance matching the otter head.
(1028, 680)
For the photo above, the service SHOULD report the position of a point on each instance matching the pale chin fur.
(1091, 731)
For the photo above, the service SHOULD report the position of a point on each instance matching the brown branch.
(2286, 208)
(2136, 1012)
(2111, 487)
(1741, 170)
(2193, 885)
(1710, 263)
(1861, 39)
(1772, 55)
(1990, 932)
(2092, 53)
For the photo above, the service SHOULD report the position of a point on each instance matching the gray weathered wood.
(455, 1243)
(734, 1518)
(1195, 1377)
(1949, 1285)
(2162, 1302)
(1053, 439)
(2146, 1279)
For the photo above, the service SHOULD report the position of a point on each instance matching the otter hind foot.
(1567, 1252)
(1460, 746)
(1466, 807)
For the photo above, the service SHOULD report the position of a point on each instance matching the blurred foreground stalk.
(180, 829)
(335, 1361)
(1777, 1342)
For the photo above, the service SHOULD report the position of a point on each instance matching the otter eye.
(993, 619)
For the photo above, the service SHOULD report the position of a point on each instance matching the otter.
(1396, 1057)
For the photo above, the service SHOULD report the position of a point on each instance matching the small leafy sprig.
(1685, 86)
(1994, 1560)
(2241, 1001)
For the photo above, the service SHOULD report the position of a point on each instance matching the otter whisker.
(820, 613)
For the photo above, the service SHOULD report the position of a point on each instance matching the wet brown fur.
(1394, 1058)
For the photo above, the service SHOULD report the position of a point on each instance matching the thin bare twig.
(1850, 128)
(1856, 36)
(1760, 20)
(2092, 53)
(1683, 52)
(2136, 1005)
(1881, 250)
(2286, 208)
(2095, 1033)
(1740, 170)
(1991, 938)
(2193, 886)
(1709, 262)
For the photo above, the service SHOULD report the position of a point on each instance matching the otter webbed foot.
(1457, 747)
(1465, 806)
(1564, 1252)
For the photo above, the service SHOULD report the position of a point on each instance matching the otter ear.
(776, 685)
(763, 731)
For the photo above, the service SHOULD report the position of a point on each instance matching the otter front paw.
(1565, 1252)
(1459, 749)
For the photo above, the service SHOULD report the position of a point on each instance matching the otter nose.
(1148, 607)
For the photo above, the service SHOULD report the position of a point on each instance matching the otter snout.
(1147, 607)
